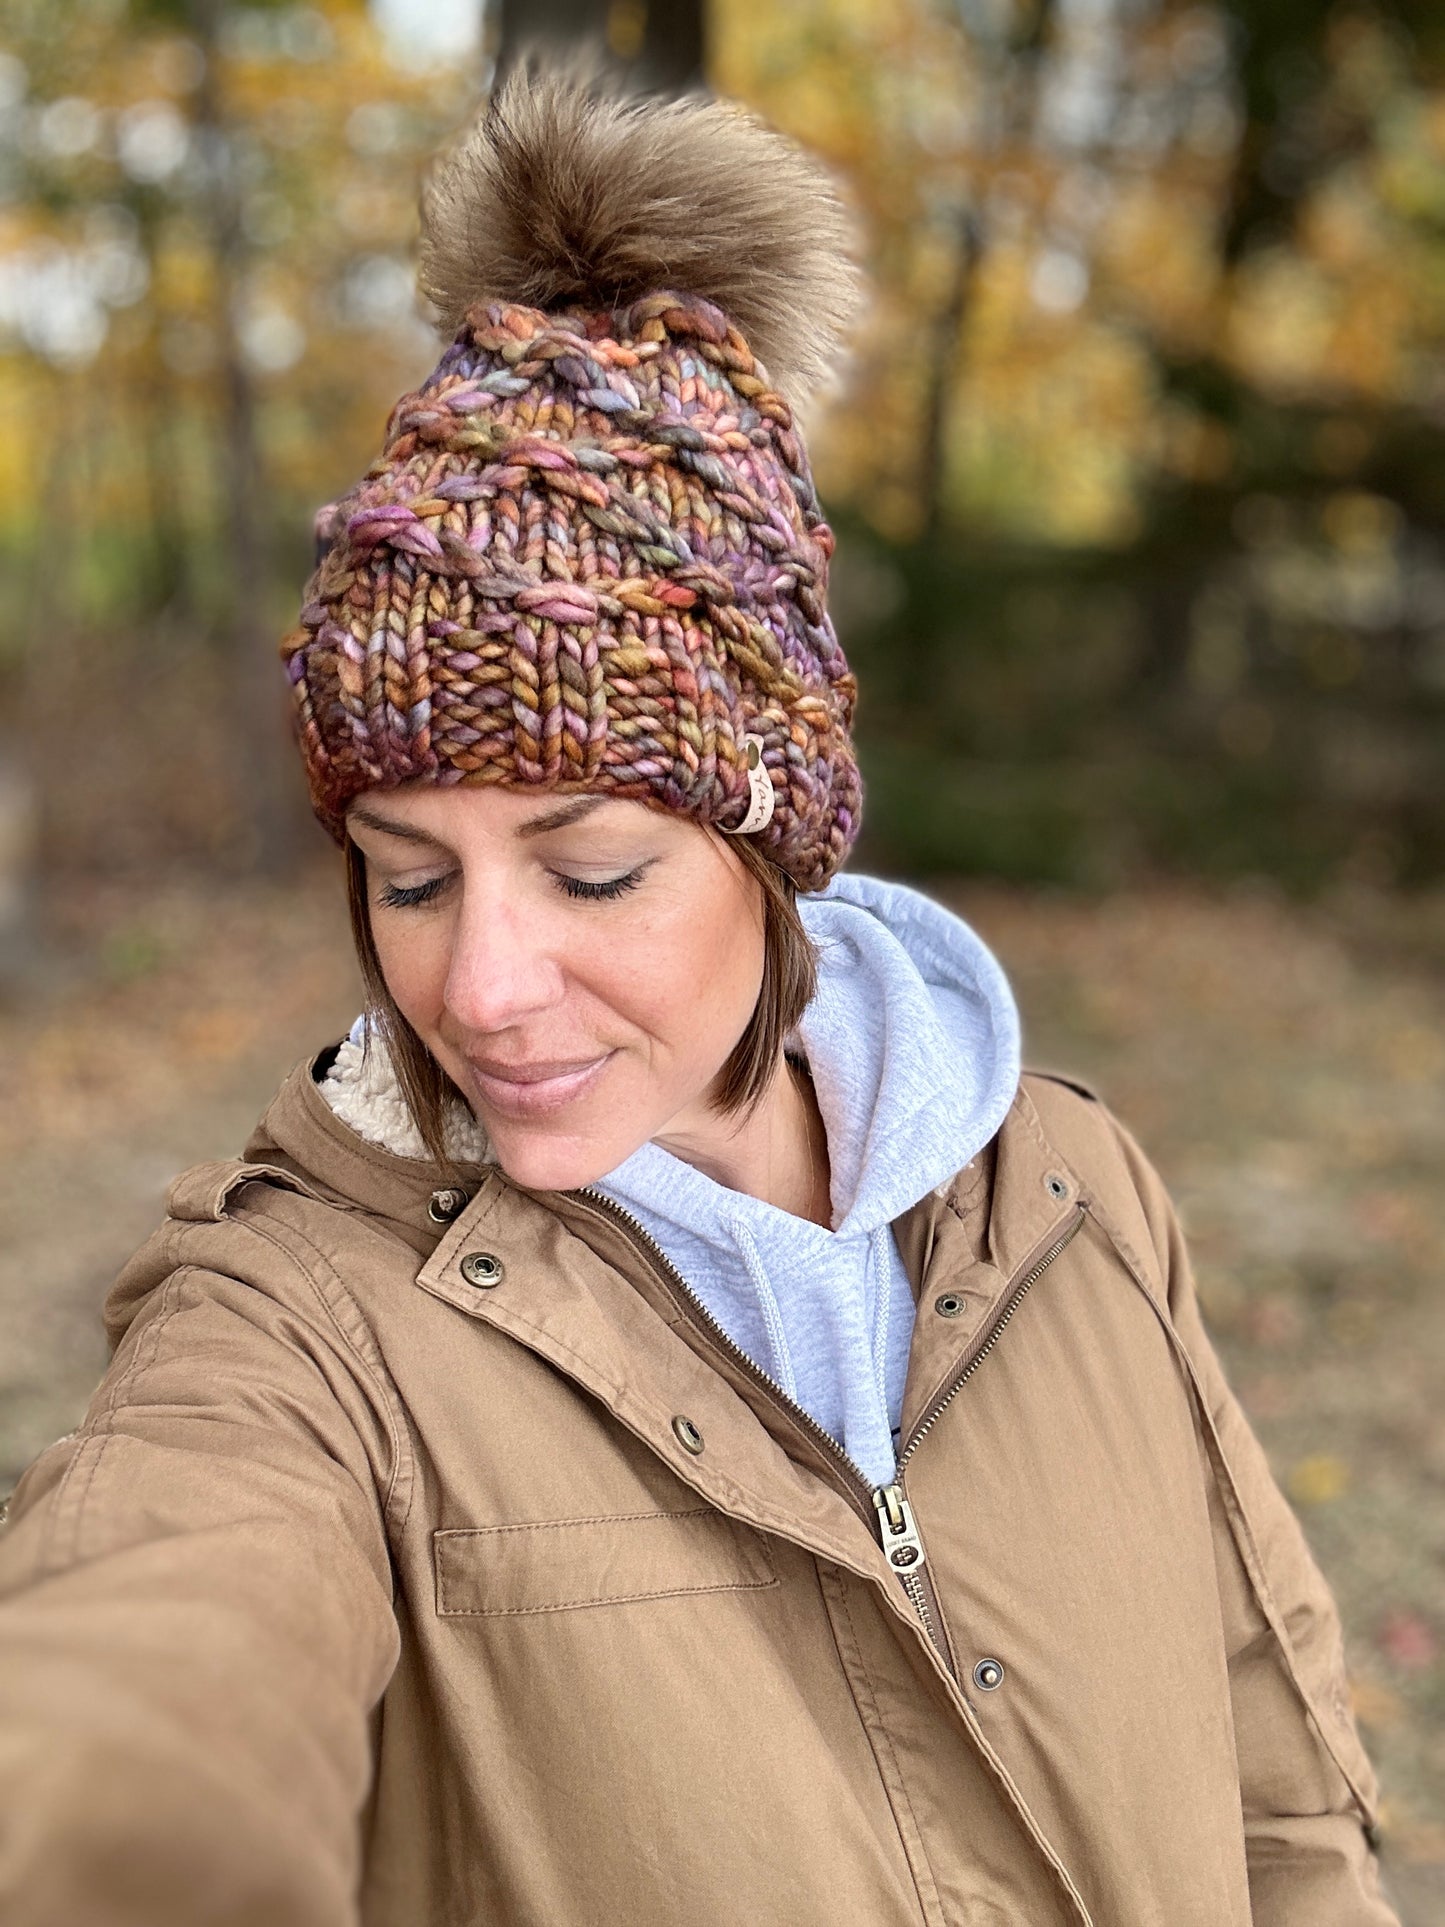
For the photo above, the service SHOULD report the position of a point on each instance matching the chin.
(542, 1163)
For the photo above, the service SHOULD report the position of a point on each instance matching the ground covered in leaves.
(1285, 1068)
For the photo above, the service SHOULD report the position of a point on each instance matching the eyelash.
(396, 896)
(399, 897)
(614, 887)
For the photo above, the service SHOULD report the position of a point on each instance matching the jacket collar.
(1012, 1193)
(1010, 1197)
(301, 1135)
(974, 1237)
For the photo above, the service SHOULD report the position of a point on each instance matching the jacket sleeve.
(196, 1616)
(1308, 1790)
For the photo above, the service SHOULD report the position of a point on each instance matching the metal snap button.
(988, 1675)
(688, 1436)
(446, 1204)
(1056, 1186)
(950, 1305)
(481, 1268)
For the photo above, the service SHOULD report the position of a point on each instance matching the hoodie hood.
(912, 1041)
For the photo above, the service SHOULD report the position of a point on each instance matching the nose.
(501, 970)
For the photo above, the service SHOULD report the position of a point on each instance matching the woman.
(661, 1423)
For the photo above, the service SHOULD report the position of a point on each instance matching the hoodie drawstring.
(879, 1242)
(767, 1298)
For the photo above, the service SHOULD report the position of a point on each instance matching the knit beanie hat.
(590, 555)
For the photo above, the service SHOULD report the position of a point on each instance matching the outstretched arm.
(196, 1621)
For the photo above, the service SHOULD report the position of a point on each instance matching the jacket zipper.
(892, 1516)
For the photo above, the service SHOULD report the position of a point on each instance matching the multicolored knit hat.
(590, 555)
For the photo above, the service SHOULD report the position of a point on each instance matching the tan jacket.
(426, 1573)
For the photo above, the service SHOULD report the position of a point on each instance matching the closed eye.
(404, 896)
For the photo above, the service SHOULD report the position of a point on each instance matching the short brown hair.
(790, 974)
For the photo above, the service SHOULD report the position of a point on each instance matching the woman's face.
(581, 966)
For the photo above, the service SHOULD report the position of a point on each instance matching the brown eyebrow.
(558, 819)
(402, 831)
(570, 812)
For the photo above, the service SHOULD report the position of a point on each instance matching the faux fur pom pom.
(563, 190)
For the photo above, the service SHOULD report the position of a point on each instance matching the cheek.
(414, 961)
(695, 976)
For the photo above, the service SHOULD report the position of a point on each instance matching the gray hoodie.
(913, 1044)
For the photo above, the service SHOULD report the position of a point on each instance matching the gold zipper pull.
(897, 1529)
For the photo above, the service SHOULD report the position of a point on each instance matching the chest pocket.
(561, 1565)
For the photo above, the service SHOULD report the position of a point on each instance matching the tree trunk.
(264, 779)
(943, 370)
(656, 43)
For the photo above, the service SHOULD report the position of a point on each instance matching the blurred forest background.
(1137, 468)
(1137, 471)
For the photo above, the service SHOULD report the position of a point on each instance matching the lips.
(537, 1072)
(537, 1088)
